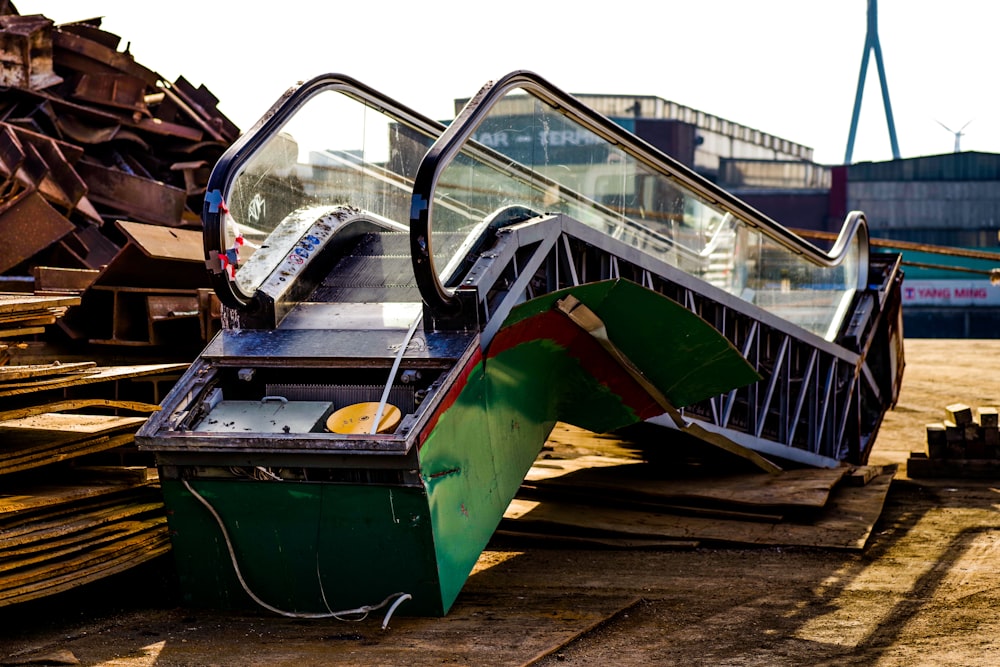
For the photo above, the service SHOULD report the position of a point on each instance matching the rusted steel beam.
(130, 303)
(60, 184)
(28, 224)
(138, 198)
(26, 52)
(202, 99)
(210, 312)
(33, 171)
(193, 114)
(11, 158)
(137, 316)
(196, 175)
(60, 156)
(90, 29)
(152, 252)
(86, 214)
(88, 248)
(153, 126)
(78, 52)
(119, 91)
(59, 280)
(70, 151)
(88, 134)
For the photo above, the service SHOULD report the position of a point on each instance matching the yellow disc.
(358, 418)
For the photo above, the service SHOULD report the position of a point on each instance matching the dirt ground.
(924, 592)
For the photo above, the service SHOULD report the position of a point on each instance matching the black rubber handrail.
(444, 302)
(270, 123)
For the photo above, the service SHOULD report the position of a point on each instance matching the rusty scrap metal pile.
(90, 138)
(103, 166)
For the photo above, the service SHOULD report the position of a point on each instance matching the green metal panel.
(457, 468)
(680, 353)
(483, 444)
(296, 542)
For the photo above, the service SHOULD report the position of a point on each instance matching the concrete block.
(953, 432)
(960, 413)
(937, 441)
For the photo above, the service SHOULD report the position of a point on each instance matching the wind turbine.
(958, 135)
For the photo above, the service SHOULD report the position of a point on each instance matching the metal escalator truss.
(817, 403)
(824, 388)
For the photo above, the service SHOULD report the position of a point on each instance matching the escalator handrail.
(247, 145)
(443, 301)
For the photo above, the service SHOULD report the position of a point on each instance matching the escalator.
(408, 313)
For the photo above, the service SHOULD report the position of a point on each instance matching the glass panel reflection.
(526, 152)
(336, 150)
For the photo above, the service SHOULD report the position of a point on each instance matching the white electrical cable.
(392, 373)
(400, 600)
(399, 597)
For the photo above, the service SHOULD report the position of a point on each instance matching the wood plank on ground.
(21, 331)
(8, 373)
(623, 480)
(81, 519)
(50, 424)
(36, 320)
(102, 374)
(78, 404)
(88, 566)
(57, 423)
(34, 457)
(21, 303)
(599, 541)
(44, 439)
(844, 523)
(83, 485)
(38, 553)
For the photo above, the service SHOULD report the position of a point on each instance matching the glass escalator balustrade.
(553, 164)
(335, 151)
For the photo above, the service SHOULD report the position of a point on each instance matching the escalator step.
(377, 269)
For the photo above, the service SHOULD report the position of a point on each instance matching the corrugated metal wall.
(950, 167)
(927, 204)
(942, 199)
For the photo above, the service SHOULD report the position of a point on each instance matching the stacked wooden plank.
(77, 502)
(23, 315)
(614, 497)
(66, 533)
(45, 419)
(963, 444)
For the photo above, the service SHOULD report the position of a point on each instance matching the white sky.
(786, 67)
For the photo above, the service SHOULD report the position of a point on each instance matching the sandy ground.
(924, 592)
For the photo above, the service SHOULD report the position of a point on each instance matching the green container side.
(475, 459)
(297, 543)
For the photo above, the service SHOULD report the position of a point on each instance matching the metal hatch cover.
(271, 414)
